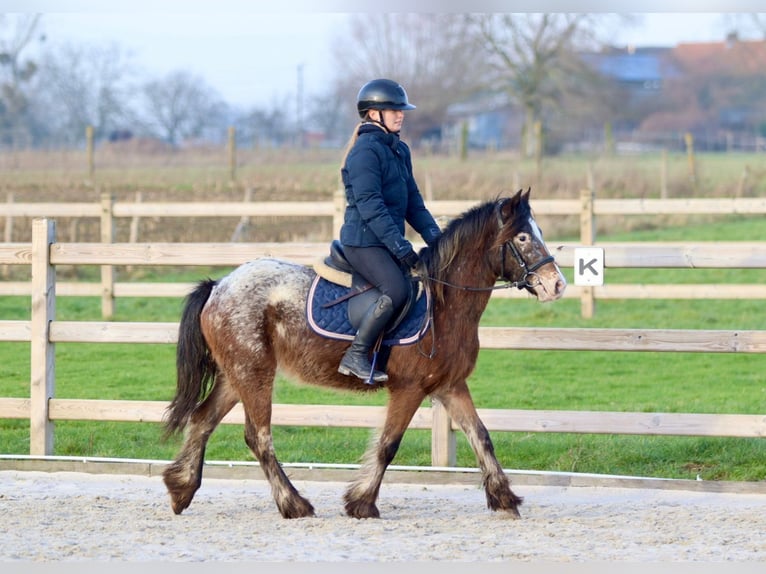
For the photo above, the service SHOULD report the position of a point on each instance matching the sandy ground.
(67, 516)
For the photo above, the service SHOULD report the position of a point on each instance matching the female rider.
(381, 195)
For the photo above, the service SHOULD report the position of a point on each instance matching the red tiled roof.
(730, 57)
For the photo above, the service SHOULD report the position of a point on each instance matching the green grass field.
(608, 381)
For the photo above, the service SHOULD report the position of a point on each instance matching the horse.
(236, 332)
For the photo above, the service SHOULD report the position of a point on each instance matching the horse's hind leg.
(258, 437)
(362, 494)
(183, 476)
(459, 404)
(255, 381)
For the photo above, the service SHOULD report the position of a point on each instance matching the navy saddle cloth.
(328, 314)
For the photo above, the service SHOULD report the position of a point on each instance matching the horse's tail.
(195, 367)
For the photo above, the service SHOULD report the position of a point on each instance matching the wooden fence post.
(742, 187)
(464, 141)
(539, 150)
(42, 351)
(689, 140)
(232, 155)
(443, 440)
(609, 147)
(107, 271)
(587, 237)
(429, 187)
(89, 144)
(135, 221)
(8, 234)
(240, 231)
(339, 207)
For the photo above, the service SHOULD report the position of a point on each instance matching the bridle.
(529, 270)
(524, 283)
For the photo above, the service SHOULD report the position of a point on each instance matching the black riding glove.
(410, 259)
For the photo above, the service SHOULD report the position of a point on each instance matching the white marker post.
(589, 266)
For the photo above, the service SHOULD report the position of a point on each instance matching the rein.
(528, 270)
(506, 285)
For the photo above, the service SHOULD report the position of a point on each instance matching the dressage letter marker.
(589, 265)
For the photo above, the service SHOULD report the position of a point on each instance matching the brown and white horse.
(237, 332)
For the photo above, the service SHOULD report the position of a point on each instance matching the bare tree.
(327, 114)
(533, 57)
(267, 126)
(85, 85)
(750, 24)
(17, 33)
(431, 55)
(180, 106)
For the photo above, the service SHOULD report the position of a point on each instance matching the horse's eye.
(523, 237)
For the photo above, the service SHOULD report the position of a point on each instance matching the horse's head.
(495, 240)
(520, 254)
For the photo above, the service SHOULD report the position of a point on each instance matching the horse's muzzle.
(548, 285)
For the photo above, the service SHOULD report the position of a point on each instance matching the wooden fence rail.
(587, 208)
(731, 255)
(43, 331)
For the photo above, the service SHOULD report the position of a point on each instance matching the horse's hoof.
(362, 510)
(179, 503)
(300, 508)
(506, 501)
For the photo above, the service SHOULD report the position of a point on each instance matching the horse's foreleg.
(183, 476)
(459, 404)
(361, 495)
(258, 437)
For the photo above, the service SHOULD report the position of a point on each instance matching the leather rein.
(529, 270)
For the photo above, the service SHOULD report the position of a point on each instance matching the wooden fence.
(587, 208)
(43, 331)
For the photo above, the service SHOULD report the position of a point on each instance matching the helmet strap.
(381, 122)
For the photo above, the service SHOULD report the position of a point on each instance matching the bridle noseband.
(529, 270)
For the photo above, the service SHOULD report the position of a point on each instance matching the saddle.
(339, 297)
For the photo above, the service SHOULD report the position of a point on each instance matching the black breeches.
(379, 267)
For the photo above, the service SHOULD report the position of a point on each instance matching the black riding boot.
(356, 361)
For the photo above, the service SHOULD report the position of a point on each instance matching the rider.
(381, 195)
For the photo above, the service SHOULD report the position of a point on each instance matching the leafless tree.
(746, 24)
(267, 126)
(180, 106)
(431, 55)
(533, 56)
(17, 34)
(85, 85)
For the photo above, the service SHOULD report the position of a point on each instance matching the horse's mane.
(486, 226)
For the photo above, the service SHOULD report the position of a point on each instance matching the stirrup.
(369, 378)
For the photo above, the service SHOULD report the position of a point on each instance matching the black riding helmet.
(382, 94)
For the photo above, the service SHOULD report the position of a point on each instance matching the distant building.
(640, 70)
(716, 90)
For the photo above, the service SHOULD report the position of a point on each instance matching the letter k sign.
(589, 266)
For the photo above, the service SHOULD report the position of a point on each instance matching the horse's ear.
(515, 200)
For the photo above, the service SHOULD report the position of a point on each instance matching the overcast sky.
(252, 59)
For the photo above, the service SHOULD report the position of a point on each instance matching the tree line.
(530, 60)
